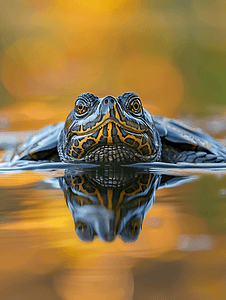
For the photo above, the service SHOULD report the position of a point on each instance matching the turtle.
(118, 130)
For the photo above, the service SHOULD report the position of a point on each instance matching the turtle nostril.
(106, 101)
(112, 101)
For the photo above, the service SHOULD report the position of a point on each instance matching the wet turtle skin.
(109, 130)
(119, 130)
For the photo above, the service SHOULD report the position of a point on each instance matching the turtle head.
(109, 129)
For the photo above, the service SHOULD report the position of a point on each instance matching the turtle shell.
(182, 142)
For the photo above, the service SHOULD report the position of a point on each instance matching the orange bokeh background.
(51, 51)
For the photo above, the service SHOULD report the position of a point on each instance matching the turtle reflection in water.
(118, 130)
(108, 203)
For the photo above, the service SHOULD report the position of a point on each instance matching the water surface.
(65, 234)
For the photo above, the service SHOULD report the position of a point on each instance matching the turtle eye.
(135, 106)
(81, 107)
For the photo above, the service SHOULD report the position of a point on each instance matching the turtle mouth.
(111, 153)
(140, 128)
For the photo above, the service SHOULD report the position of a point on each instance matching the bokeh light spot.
(34, 68)
(94, 6)
(27, 64)
(155, 80)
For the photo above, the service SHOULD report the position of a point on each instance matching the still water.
(126, 233)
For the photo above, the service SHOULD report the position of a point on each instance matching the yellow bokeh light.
(155, 80)
(95, 6)
(26, 63)
(36, 68)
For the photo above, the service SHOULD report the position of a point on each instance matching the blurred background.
(171, 53)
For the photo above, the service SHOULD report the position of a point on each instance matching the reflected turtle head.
(108, 203)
